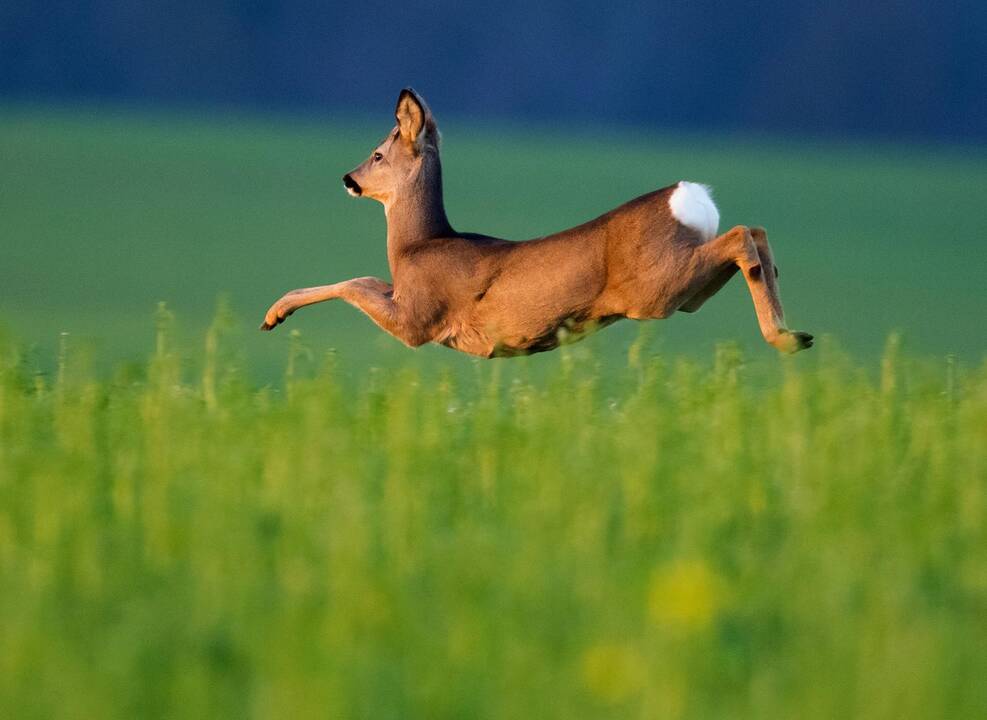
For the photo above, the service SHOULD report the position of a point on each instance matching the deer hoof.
(791, 341)
(274, 317)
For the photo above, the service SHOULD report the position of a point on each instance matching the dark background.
(909, 70)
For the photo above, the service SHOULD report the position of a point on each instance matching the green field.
(667, 520)
(102, 215)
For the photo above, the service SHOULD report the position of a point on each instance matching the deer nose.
(351, 185)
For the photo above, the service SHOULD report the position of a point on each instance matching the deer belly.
(466, 337)
(567, 331)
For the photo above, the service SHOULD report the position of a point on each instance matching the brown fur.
(491, 297)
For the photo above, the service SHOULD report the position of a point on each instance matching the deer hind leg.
(760, 237)
(740, 247)
(768, 268)
(710, 289)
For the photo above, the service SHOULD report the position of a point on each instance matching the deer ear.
(412, 115)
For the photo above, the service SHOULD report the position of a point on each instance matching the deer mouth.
(352, 186)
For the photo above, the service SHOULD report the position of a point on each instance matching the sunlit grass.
(659, 538)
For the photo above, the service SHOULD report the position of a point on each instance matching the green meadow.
(666, 520)
(103, 215)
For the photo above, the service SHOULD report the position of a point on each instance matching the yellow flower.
(685, 594)
(613, 672)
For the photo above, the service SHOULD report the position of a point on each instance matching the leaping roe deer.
(490, 297)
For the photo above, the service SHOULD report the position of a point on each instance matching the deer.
(485, 296)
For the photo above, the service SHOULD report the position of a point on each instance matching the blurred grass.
(103, 214)
(656, 537)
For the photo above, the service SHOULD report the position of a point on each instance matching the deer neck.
(418, 212)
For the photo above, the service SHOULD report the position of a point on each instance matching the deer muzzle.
(352, 186)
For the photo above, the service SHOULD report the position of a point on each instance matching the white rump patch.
(692, 206)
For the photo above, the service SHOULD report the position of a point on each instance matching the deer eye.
(378, 157)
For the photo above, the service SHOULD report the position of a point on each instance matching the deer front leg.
(372, 296)
(738, 246)
(291, 301)
(375, 298)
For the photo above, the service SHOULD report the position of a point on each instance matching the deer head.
(405, 160)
